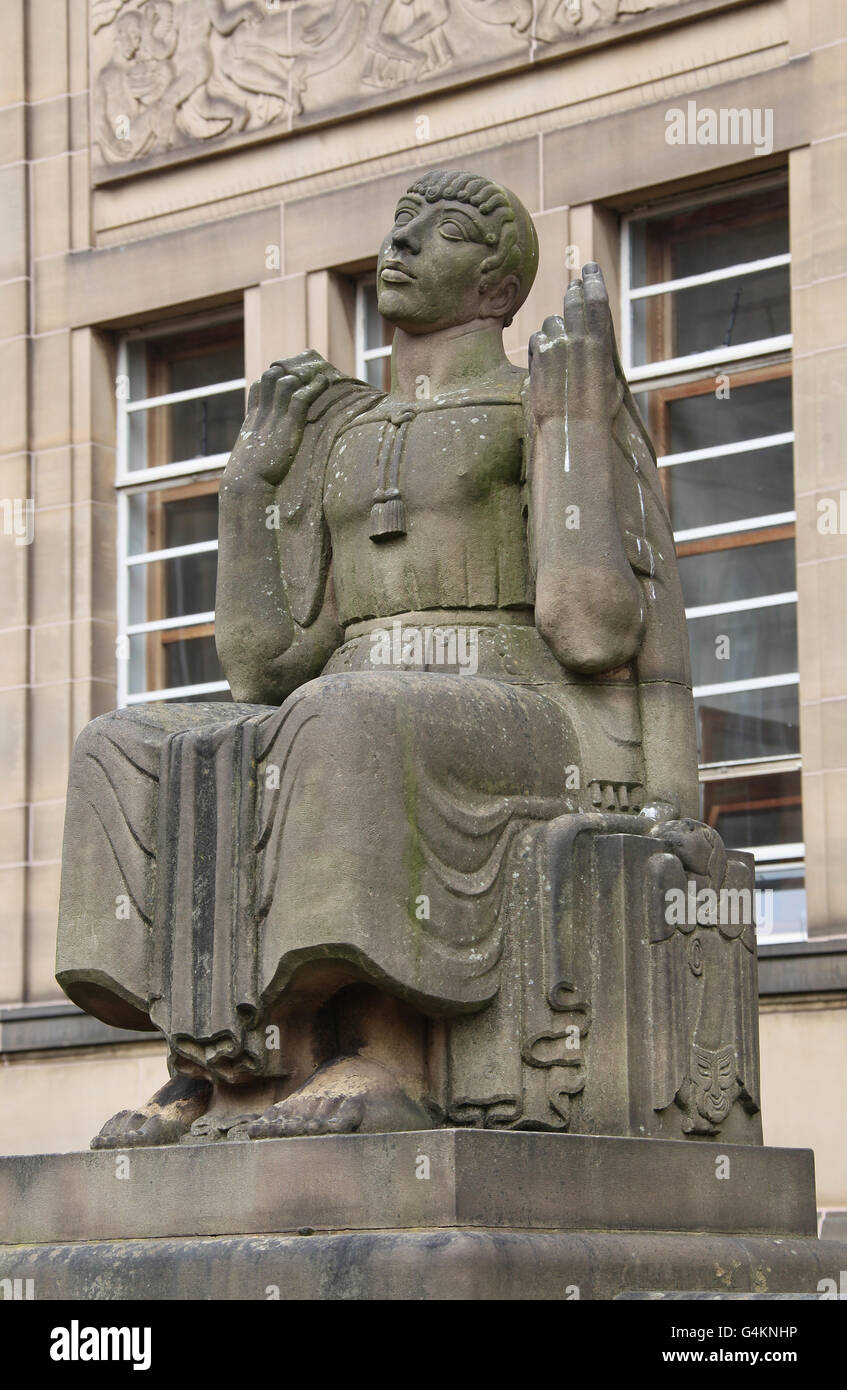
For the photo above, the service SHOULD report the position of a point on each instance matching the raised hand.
(277, 407)
(572, 360)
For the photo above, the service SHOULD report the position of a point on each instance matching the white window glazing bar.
(369, 354)
(174, 691)
(786, 762)
(626, 316)
(139, 478)
(709, 277)
(360, 330)
(741, 605)
(194, 393)
(765, 854)
(148, 557)
(716, 451)
(714, 357)
(731, 528)
(166, 624)
(122, 542)
(753, 683)
(122, 530)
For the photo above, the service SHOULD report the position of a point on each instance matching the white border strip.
(754, 683)
(741, 446)
(731, 528)
(142, 478)
(195, 393)
(709, 277)
(177, 690)
(741, 605)
(149, 557)
(165, 624)
(713, 358)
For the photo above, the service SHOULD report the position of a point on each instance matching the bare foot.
(346, 1096)
(168, 1115)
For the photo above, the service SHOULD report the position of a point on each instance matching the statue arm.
(588, 604)
(264, 651)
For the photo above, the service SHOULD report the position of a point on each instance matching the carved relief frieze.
(174, 76)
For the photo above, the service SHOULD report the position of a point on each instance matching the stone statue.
(418, 873)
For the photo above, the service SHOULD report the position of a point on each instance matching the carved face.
(713, 1076)
(429, 268)
(128, 34)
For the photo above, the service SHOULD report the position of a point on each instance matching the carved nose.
(403, 238)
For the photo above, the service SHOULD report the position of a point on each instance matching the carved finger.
(303, 365)
(286, 387)
(554, 326)
(575, 310)
(304, 395)
(537, 343)
(596, 298)
(268, 385)
(253, 396)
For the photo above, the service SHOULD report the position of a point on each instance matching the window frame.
(364, 354)
(669, 378)
(200, 474)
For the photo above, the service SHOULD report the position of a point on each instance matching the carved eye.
(452, 230)
(402, 216)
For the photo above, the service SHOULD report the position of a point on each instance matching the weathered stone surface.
(379, 1182)
(448, 1214)
(431, 1265)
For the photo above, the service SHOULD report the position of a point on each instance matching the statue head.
(461, 248)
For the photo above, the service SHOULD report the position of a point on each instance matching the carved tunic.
(459, 468)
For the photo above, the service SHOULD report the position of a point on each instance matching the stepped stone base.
(442, 1214)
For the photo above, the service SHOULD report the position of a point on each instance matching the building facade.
(194, 188)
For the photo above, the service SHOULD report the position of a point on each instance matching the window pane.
(378, 372)
(162, 660)
(185, 431)
(672, 245)
(187, 370)
(193, 661)
(748, 724)
(703, 318)
(745, 571)
(737, 487)
(705, 421)
(754, 810)
(377, 332)
(159, 520)
(171, 588)
(783, 901)
(742, 646)
(189, 429)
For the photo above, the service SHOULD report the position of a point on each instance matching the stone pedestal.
(443, 1214)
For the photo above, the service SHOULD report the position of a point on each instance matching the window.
(180, 406)
(373, 337)
(706, 339)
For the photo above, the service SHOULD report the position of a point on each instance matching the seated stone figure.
(452, 624)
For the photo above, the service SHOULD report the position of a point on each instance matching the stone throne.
(437, 869)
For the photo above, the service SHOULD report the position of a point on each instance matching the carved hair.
(512, 233)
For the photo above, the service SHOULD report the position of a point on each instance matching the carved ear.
(500, 300)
